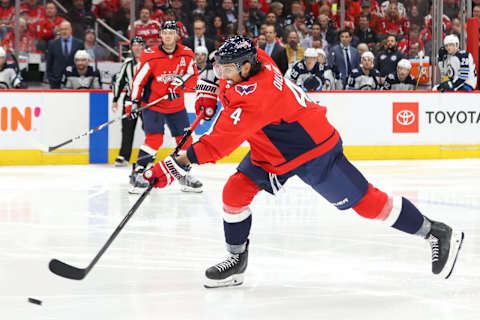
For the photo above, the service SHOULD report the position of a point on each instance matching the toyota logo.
(405, 117)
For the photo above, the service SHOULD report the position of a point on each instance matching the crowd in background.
(391, 30)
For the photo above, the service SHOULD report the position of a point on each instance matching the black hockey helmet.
(170, 25)
(238, 50)
(137, 40)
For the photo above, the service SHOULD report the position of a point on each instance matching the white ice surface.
(307, 259)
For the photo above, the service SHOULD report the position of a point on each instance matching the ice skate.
(445, 244)
(228, 272)
(137, 180)
(190, 184)
(121, 162)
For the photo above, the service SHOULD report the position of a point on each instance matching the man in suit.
(276, 51)
(199, 39)
(60, 54)
(344, 57)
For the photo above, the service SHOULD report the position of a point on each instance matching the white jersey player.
(9, 78)
(457, 67)
(402, 79)
(366, 77)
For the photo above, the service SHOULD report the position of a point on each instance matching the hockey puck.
(35, 301)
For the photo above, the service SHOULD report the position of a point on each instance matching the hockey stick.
(70, 272)
(420, 69)
(103, 125)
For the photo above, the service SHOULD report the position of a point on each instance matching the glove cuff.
(175, 168)
(206, 87)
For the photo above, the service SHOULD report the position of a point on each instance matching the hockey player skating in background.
(9, 78)
(457, 67)
(124, 81)
(366, 77)
(163, 70)
(308, 73)
(289, 135)
(81, 75)
(402, 79)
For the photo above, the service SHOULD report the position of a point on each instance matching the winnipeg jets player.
(308, 72)
(366, 77)
(402, 79)
(457, 67)
(289, 135)
(9, 78)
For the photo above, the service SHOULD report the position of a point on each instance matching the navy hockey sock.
(144, 158)
(411, 220)
(236, 234)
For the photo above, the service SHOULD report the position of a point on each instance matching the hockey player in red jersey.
(288, 135)
(162, 70)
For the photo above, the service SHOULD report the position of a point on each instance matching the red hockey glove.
(131, 109)
(166, 172)
(206, 98)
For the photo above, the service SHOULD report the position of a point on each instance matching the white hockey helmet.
(3, 53)
(201, 50)
(451, 39)
(404, 63)
(368, 55)
(310, 53)
(81, 55)
(320, 52)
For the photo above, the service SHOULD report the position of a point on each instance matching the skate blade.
(190, 189)
(455, 245)
(232, 281)
(136, 190)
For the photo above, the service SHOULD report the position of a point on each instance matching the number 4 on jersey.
(236, 115)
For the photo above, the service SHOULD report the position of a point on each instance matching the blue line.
(98, 151)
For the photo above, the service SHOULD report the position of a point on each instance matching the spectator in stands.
(298, 26)
(457, 26)
(387, 60)
(9, 77)
(146, 28)
(365, 33)
(401, 8)
(362, 48)
(81, 75)
(316, 33)
(366, 77)
(412, 37)
(392, 22)
(276, 51)
(271, 18)
(182, 29)
(7, 15)
(294, 51)
(47, 28)
(156, 14)
(277, 8)
(228, 12)
(451, 8)
(255, 16)
(401, 79)
(476, 12)
(366, 11)
(413, 51)
(327, 31)
(96, 52)
(343, 57)
(60, 54)
(218, 27)
(415, 17)
(261, 40)
(26, 42)
(199, 39)
(120, 20)
(33, 11)
(181, 11)
(296, 8)
(80, 18)
(105, 9)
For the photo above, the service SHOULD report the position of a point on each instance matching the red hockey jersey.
(149, 31)
(284, 128)
(44, 28)
(7, 15)
(34, 14)
(155, 74)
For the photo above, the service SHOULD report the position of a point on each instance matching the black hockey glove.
(442, 53)
(445, 86)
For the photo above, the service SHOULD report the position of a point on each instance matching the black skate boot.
(121, 162)
(138, 182)
(445, 244)
(228, 272)
(190, 184)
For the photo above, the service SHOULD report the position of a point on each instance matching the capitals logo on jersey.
(247, 89)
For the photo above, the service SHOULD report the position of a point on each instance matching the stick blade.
(65, 270)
